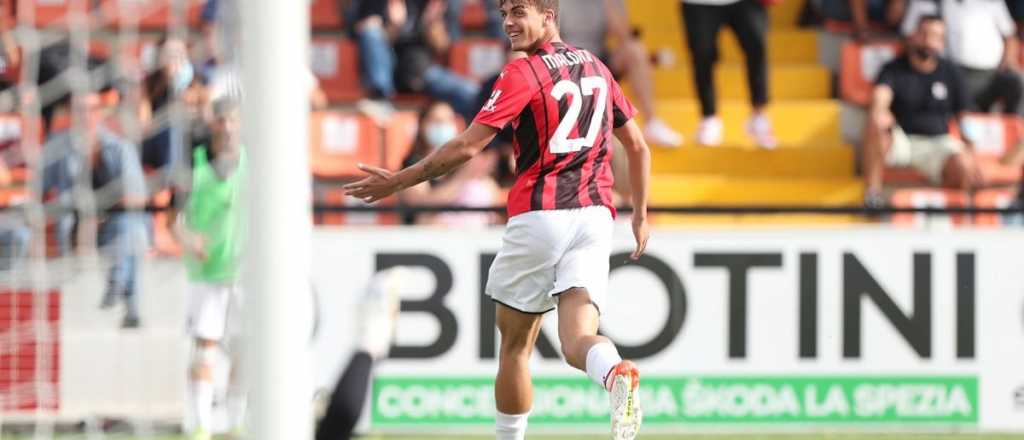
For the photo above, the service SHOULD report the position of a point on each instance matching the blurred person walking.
(211, 229)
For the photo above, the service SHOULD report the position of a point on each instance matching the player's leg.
(581, 282)
(378, 314)
(201, 387)
(584, 349)
(208, 304)
(513, 388)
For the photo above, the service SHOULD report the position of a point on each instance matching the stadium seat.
(994, 136)
(337, 197)
(339, 142)
(860, 64)
(477, 58)
(151, 14)
(992, 198)
(10, 72)
(13, 196)
(928, 198)
(324, 15)
(474, 15)
(154, 15)
(336, 65)
(399, 136)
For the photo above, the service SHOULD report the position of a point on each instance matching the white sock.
(601, 358)
(201, 404)
(511, 427)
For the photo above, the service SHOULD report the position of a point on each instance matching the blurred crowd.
(953, 59)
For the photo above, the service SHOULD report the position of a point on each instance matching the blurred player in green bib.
(211, 232)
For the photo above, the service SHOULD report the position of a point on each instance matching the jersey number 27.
(560, 142)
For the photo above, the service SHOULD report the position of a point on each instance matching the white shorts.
(545, 253)
(212, 310)
(926, 154)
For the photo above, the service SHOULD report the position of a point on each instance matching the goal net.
(101, 105)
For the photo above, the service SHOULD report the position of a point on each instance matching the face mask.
(183, 77)
(438, 133)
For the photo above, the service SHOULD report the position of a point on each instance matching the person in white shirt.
(982, 42)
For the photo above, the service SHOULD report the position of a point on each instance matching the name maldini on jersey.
(569, 58)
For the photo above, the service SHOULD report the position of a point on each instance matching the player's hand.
(377, 186)
(197, 247)
(641, 231)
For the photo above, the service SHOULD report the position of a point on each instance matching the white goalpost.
(275, 111)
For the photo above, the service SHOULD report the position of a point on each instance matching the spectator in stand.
(589, 27)
(983, 43)
(471, 186)
(398, 43)
(15, 237)
(866, 17)
(749, 21)
(110, 169)
(162, 141)
(914, 99)
(493, 28)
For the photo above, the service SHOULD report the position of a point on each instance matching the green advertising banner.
(697, 400)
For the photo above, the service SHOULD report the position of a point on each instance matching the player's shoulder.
(518, 66)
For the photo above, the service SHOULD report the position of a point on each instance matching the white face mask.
(437, 134)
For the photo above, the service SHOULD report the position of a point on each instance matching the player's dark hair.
(539, 4)
(927, 18)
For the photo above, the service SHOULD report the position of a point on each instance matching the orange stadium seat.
(474, 15)
(336, 65)
(339, 142)
(477, 58)
(150, 14)
(995, 136)
(10, 72)
(860, 65)
(45, 12)
(928, 198)
(13, 195)
(399, 136)
(992, 198)
(325, 15)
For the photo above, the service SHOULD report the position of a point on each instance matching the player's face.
(525, 24)
(226, 130)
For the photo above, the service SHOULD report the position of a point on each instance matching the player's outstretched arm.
(639, 156)
(382, 183)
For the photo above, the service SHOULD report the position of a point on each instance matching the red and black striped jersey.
(563, 103)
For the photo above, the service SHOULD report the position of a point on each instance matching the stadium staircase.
(811, 166)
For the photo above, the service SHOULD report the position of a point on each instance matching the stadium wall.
(779, 329)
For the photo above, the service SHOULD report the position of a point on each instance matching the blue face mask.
(183, 77)
(438, 133)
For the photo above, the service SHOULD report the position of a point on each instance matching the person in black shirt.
(914, 99)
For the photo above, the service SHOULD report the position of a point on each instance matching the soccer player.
(211, 232)
(564, 106)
